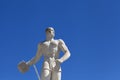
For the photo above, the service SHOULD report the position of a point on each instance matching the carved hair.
(49, 28)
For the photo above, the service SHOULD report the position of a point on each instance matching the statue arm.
(37, 56)
(66, 51)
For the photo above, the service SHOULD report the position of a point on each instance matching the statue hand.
(57, 66)
(59, 61)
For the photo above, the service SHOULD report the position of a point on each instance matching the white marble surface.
(50, 49)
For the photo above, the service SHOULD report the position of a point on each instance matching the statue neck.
(48, 38)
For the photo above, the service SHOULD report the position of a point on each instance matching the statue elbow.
(69, 55)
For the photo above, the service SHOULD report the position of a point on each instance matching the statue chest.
(50, 47)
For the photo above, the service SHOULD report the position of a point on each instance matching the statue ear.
(23, 67)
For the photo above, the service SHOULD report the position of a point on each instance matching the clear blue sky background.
(90, 28)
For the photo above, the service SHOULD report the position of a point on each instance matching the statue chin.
(23, 67)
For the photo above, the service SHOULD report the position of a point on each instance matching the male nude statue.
(50, 49)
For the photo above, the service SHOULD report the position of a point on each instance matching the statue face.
(50, 32)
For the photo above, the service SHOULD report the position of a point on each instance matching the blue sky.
(90, 29)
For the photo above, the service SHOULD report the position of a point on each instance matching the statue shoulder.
(41, 43)
(61, 41)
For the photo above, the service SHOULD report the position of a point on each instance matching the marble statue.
(50, 50)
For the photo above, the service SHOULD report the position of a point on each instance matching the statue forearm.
(32, 61)
(65, 56)
(36, 58)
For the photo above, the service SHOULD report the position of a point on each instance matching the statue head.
(50, 32)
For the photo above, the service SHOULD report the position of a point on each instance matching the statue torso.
(50, 50)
